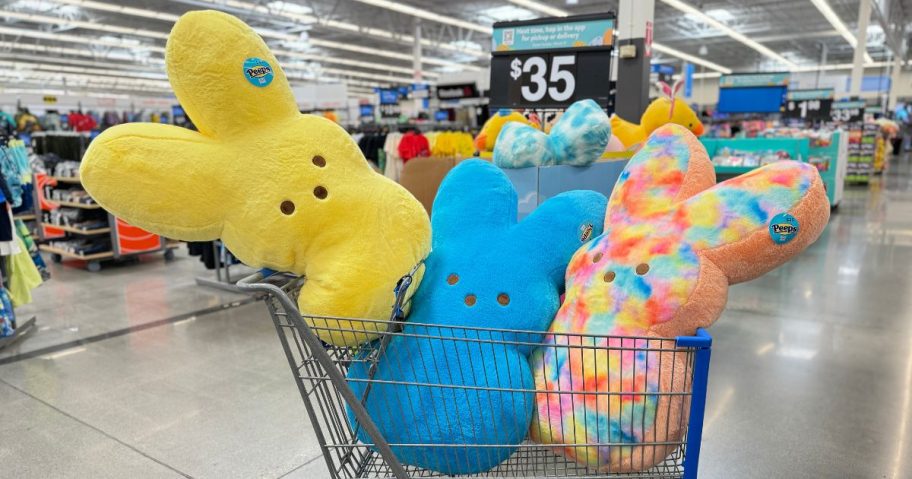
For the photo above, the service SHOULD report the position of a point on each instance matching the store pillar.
(861, 44)
(416, 53)
(635, 23)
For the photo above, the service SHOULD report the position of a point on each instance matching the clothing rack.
(71, 224)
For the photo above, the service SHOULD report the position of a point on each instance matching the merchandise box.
(535, 185)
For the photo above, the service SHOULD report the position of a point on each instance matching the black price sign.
(808, 109)
(848, 112)
(552, 62)
(538, 79)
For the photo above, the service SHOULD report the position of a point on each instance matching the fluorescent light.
(421, 13)
(506, 12)
(262, 31)
(688, 57)
(690, 10)
(65, 23)
(64, 37)
(107, 7)
(541, 7)
(837, 23)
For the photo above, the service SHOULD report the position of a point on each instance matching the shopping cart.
(320, 373)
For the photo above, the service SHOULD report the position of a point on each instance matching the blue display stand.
(536, 184)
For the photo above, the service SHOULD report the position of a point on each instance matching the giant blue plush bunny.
(485, 271)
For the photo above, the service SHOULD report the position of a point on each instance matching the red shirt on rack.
(413, 145)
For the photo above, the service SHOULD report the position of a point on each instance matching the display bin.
(534, 185)
(830, 160)
(319, 370)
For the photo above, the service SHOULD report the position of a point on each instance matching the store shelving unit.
(125, 240)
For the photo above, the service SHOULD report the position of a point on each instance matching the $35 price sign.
(543, 78)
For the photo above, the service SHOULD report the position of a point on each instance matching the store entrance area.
(807, 360)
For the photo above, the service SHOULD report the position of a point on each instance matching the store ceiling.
(116, 46)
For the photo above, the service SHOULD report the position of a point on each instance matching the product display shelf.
(830, 159)
(115, 238)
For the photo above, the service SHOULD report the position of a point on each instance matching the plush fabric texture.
(487, 137)
(485, 271)
(284, 191)
(673, 243)
(578, 138)
(658, 113)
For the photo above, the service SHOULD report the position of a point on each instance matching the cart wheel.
(169, 255)
(56, 258)
(94, 266)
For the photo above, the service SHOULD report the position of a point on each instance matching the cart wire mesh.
(357, 449)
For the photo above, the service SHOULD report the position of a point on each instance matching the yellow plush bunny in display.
(282, 190)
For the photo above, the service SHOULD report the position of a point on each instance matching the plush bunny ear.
(560, 226)
(755, 222)
(671, 166)
(224, 76)
(475, 186)
(126, 167)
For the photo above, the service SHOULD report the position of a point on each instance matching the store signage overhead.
(748, 80)
(457, 92)
(809, 105)
(551, 62)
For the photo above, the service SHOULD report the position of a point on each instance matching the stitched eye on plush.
(609, 276)
(642, 269)
(452, 279)
(470, 300)
(287, 207)
(319, 161)
(503, 299)
(321, 192)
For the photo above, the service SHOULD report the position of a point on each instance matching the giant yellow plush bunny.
(284, 191)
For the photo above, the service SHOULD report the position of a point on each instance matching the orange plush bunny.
(673, 243)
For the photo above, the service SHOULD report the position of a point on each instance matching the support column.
(861, 44)
(416, 53)
(894, 83)
(635, 17)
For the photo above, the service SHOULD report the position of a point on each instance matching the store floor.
(811, 373)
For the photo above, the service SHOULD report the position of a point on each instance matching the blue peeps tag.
(258, 72)
(783, 228)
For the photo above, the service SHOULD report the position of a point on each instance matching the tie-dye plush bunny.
(284, 191)
(452, 398)
(673, 243)
(578, 138)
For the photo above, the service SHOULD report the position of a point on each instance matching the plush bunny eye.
(470, 300)
(319, 161)
(597, 257)
(452, 279)
(503, 299)
(642, 269)
(609, 276)
(321, 192)
(287, 207)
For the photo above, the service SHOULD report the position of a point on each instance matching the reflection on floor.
(811, 371)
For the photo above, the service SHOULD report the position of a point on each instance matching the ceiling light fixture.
(421, 13)
(541, 7)
(824, 7)
(65, 23)
(107, 7)
(738, 36)
(65, 37)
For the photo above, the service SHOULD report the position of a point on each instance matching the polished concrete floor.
(811, 373)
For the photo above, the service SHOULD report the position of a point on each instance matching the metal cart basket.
(361, 451)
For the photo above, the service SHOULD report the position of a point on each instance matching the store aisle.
(76, 304)
(810, 377)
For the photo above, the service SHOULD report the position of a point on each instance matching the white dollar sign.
(516, 68)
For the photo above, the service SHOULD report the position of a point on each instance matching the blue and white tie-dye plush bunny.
(578, 138)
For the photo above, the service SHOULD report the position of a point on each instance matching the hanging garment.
(7, 315)
(23, 231)
(393, 167)
(23, 275)
(413, 145)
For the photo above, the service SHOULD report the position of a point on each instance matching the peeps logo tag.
(258, 72)
(783, 228)
(585, 232)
